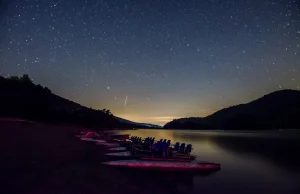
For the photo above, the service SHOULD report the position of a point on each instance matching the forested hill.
(20, 97)
(278, 110)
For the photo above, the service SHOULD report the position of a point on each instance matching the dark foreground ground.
(43, 158)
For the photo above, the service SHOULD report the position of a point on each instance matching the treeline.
(20, 97)
(188, 123)
(278, 110)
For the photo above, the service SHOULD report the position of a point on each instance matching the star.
(188, 53)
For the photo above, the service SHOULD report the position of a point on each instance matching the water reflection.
(250, 162)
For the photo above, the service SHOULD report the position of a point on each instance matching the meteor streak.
(125, 101)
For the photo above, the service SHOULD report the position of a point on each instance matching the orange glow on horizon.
(160, 120)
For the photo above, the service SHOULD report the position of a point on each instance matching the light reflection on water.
(250, 162)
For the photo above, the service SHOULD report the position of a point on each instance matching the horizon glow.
(154, 61)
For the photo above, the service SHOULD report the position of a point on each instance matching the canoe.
(141, 164)
(117, 149)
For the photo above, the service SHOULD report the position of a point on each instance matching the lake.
(261, 162)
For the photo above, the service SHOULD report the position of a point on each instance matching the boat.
(162, 151)
(170, 159)
(103, 135)
(161, 165)
(92, 140)
(117, 149)
(110, 145)
(147, 156)
(120, 154)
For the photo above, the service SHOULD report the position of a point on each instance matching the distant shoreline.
(13, 119)
(258, 131)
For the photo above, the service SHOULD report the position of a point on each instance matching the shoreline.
(42, 158)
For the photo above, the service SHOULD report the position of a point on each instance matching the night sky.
(153, 60)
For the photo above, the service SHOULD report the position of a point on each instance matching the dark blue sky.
(152, 61)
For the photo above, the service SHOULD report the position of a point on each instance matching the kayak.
(119, 154)
(140, 164)
(92, 140)
(117, 149)
(110, 145)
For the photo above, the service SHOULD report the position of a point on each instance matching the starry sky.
(153, 60)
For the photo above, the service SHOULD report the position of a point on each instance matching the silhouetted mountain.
(278, 110)
(140, 125)
(20, 97)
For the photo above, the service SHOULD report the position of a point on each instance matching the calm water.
(250, 162)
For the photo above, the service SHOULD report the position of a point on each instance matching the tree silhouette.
(20, 97)
(14, 78)
(107, 111)
(26, 79)
(47, 90)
